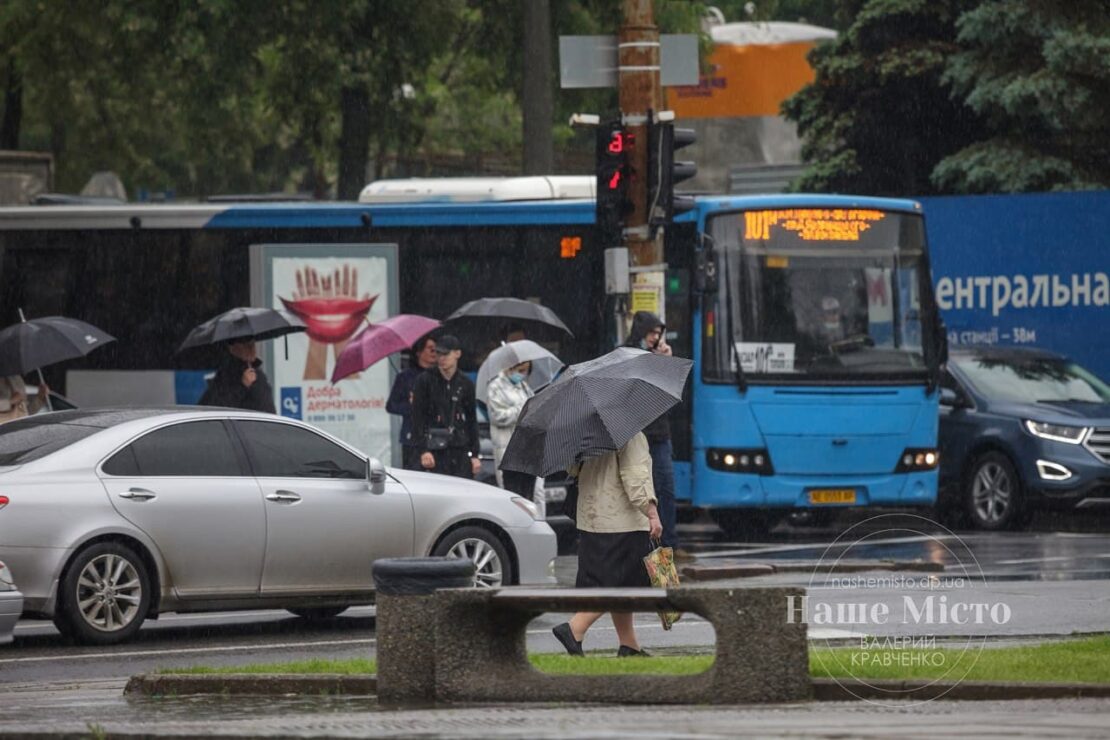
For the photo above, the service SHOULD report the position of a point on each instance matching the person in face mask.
(507, 394)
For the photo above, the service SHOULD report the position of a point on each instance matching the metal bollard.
(406, 620)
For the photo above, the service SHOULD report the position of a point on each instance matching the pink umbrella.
(380, 340)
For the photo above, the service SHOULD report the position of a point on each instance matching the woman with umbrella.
(506, 380)
(30, 345)
(506, 395)
(617, 520)
(590, 420)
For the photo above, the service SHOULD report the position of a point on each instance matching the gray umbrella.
(509, 308)
(44, 341)
(593, 408)
(545, 365)
(243, 323)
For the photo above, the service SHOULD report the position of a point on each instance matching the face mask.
(516, 378)
(832, 326)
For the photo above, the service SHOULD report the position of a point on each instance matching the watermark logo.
(901, 635)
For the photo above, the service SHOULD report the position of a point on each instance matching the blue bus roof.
(403, 215)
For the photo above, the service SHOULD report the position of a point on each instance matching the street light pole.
(641, 95)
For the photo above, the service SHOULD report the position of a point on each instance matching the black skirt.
(612, 560)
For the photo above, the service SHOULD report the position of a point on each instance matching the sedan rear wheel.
(993, 493)
(105, 595)
(493, 568)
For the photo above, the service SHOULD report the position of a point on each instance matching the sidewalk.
(97, 708)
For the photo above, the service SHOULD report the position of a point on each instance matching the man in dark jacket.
(400, 400)
(239, 381)
(648, 332)
(444, 415)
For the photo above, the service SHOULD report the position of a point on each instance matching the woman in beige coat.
(617, 519)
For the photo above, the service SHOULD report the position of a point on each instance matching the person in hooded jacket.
(239, 381)
(649, 332)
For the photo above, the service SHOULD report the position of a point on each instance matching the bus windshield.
(818, 293)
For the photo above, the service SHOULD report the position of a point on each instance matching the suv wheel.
(992, 493)
(105, 595)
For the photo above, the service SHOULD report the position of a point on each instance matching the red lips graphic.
(330, 320)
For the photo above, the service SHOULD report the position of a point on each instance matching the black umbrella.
(242, 323)
(593, 408)
(44, 341)
(509, 308)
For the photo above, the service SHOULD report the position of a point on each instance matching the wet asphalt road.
(1055, 578)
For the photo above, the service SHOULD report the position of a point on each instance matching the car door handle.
(284, 497)
(138, 494)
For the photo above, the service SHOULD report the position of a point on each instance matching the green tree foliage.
(877, 119)
(161, 94)
(231, 96)
(1038, 73)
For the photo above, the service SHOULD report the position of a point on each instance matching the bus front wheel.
(744, 524)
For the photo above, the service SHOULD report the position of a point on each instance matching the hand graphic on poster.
(332, 310)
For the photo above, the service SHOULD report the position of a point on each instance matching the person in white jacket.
(506, 396)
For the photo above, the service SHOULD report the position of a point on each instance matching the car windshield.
(32, 437)
(1033, 379)
(819, 293)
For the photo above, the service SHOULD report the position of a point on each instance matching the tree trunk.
(13, 107)
(354, 141)
(537, 98)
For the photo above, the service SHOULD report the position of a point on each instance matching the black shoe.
(564, 634)
(627, 652)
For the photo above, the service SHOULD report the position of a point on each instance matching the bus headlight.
(917, 459)
(740, 460)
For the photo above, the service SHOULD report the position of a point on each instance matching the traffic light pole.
(640, 95)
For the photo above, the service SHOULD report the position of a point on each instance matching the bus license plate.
(834, 496)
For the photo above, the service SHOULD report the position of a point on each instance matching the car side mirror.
(950, 398)
(375, 475)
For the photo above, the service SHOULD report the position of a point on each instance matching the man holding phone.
(648, 332)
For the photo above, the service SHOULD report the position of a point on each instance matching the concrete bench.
(481, 652)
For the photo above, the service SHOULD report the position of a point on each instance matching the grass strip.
(1071, 661)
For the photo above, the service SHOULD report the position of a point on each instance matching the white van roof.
(771, 32)
(474, 189)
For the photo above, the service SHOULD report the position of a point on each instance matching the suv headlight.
(1057, 432)
(528, 507)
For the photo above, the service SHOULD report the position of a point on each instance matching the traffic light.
(664, 172)
(613, 166)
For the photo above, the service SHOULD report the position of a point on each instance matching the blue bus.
(811, 319)
(818, 349)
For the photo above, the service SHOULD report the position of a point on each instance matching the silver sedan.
(117, 515)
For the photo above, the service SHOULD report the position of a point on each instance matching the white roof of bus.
(771, 32)
(474, 189)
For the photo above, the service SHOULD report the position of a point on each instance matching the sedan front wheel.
(493, 568)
